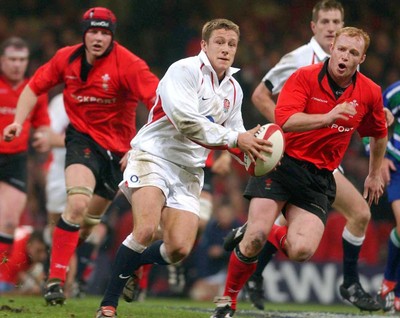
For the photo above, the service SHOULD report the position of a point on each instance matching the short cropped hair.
(354, 32)
(217, 24)
(14, 41)
(326, 5)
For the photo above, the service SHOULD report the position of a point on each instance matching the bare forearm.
(377, 153)
(304, 122)
(262, 99)
(26, 102)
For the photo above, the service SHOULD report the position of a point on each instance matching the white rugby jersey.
(310, 53)
(59, 123)
(192, 109)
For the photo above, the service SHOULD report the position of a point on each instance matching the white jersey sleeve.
(58, 116)
(310, 53)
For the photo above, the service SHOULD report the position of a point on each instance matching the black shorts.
(208, 182)
(13, 170)
(82, 149)
(299, 183)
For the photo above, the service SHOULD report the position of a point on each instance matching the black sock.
(126, 262)
(350, 260)
(265, 256)
(152, 255)
(84, 254)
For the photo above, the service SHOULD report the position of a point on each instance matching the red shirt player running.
(319, 108)
(103, 84)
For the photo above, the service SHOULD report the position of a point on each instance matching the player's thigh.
(98, 205)
(79, 175)
(349, 201)
(180, 230)
(147, 204)
(262, 215)
(12, 203)
(305, 231)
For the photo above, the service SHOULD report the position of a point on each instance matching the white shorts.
(181, 185)
(56, 194)
(338, 169)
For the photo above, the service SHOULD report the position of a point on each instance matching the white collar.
(229, 72)
(321, 54)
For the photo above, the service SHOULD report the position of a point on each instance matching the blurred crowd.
(162, 31)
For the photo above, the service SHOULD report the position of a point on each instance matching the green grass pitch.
(34, 307)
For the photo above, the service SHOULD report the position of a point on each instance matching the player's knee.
(77, 205)
(145, 233)
(361, 216)
(75, 211)
(300, 252)
(178, 254)
(254, 244)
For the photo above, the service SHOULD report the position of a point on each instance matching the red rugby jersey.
(308, 91)
(8, 103)
(104, 106)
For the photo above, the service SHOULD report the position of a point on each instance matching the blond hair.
(217, 24)
(354, 32)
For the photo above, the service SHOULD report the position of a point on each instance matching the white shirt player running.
(192, 108)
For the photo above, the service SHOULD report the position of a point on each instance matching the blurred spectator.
(210, 257)
(23, 271)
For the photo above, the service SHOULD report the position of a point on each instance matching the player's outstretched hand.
(373, 188)
(11, 131)
(252, 146)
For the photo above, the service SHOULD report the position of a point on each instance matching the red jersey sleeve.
(292, 98)
(142, 81)
(49, 74)
(374, 122)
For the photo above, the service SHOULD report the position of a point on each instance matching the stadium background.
(162, 31)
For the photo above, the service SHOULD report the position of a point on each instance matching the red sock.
(63, 247)
(5, 249)
(387, 286)
(144, 279)
(238, 274)
(277, 236)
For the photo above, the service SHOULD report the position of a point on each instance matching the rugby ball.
(274, 134)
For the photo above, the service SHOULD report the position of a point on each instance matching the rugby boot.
(234, 237)
(357, 296)
(223, 309)
(54, 294)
